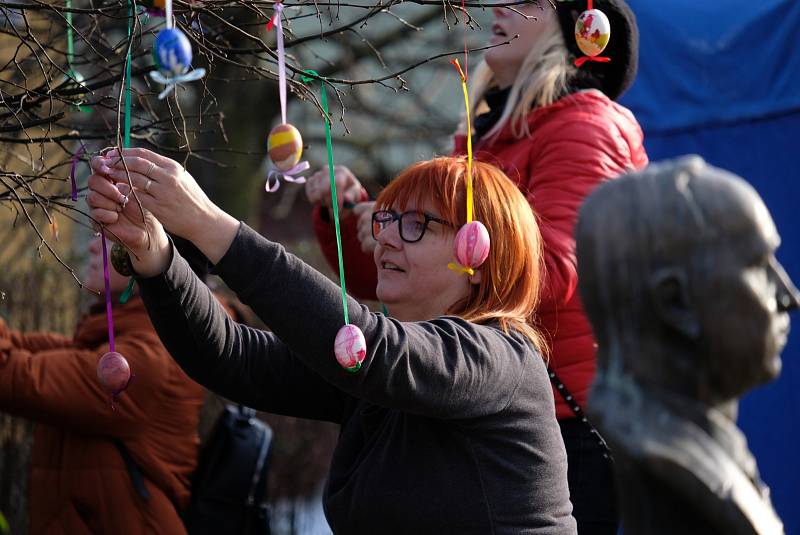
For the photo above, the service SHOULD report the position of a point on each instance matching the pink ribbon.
(274, 176)
(276, 22)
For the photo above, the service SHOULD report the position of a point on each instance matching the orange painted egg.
(285, 146)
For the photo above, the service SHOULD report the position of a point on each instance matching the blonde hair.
(542, 79)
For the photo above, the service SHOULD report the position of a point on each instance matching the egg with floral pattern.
(592, 32)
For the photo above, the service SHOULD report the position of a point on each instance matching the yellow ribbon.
(460, 269)
(469, 140)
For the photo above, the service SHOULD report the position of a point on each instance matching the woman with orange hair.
(449, 425)
(557, 131)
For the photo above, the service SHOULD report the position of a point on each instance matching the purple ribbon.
(75, 158)
(109, 317)
(274, 176)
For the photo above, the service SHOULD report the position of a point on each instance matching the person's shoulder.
(491, 334)
(588, 106)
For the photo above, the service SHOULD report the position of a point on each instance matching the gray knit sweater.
(449, 427)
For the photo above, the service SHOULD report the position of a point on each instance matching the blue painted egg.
(172, 52)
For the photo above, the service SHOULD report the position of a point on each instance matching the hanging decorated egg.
(350, 347)
(121, 260)
(285, 146)
(592, 32)
(472, 244)
(113, 372)
(172, 52)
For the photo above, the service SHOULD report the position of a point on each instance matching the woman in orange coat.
(80, 483)
(557, 132)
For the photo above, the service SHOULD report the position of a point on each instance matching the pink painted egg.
(285, 146)
(472, 244)
(113, 372)
(350, 347)
(592, 32)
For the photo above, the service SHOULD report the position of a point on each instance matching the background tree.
(64, 83)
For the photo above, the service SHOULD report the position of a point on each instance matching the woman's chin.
(386, 294)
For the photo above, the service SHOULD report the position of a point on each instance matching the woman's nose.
(390, 235)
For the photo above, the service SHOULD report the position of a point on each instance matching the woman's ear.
(475, 278)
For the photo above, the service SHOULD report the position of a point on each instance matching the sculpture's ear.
(669, 290)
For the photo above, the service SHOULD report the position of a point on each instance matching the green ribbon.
(70, 45)
(127, 142)
(71, 54)
(324, 101)
(128, 292)
(4, 528)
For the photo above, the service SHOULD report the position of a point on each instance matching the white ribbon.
(273, 177)
(190, 76)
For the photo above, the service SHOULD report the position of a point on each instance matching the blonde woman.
(557, 132)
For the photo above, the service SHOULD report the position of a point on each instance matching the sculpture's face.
(744, 301)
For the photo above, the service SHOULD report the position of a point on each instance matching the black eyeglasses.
(412, 224)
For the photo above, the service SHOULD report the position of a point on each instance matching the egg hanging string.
(284, 135)
(350, 347)
(72, 73)
(471, 246)
(112, 368)
(73, 167)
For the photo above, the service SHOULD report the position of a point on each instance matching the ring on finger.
(149, 172)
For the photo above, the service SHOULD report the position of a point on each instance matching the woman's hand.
(169, 192)
(348, 188)
(126, 223)
(363, 211)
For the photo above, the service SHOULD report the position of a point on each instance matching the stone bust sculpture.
(689, 306)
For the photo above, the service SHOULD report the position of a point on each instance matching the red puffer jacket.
(575, 144)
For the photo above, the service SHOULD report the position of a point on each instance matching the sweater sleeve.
(245, 365)
(446, 368)
(574, 157)
(37, 341)
(59, 386)
(360, 273)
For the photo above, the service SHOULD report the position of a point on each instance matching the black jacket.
(449, 426)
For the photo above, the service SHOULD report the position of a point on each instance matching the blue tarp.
(722, 79)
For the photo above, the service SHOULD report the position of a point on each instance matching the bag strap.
(579, 413)
(137, 477)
